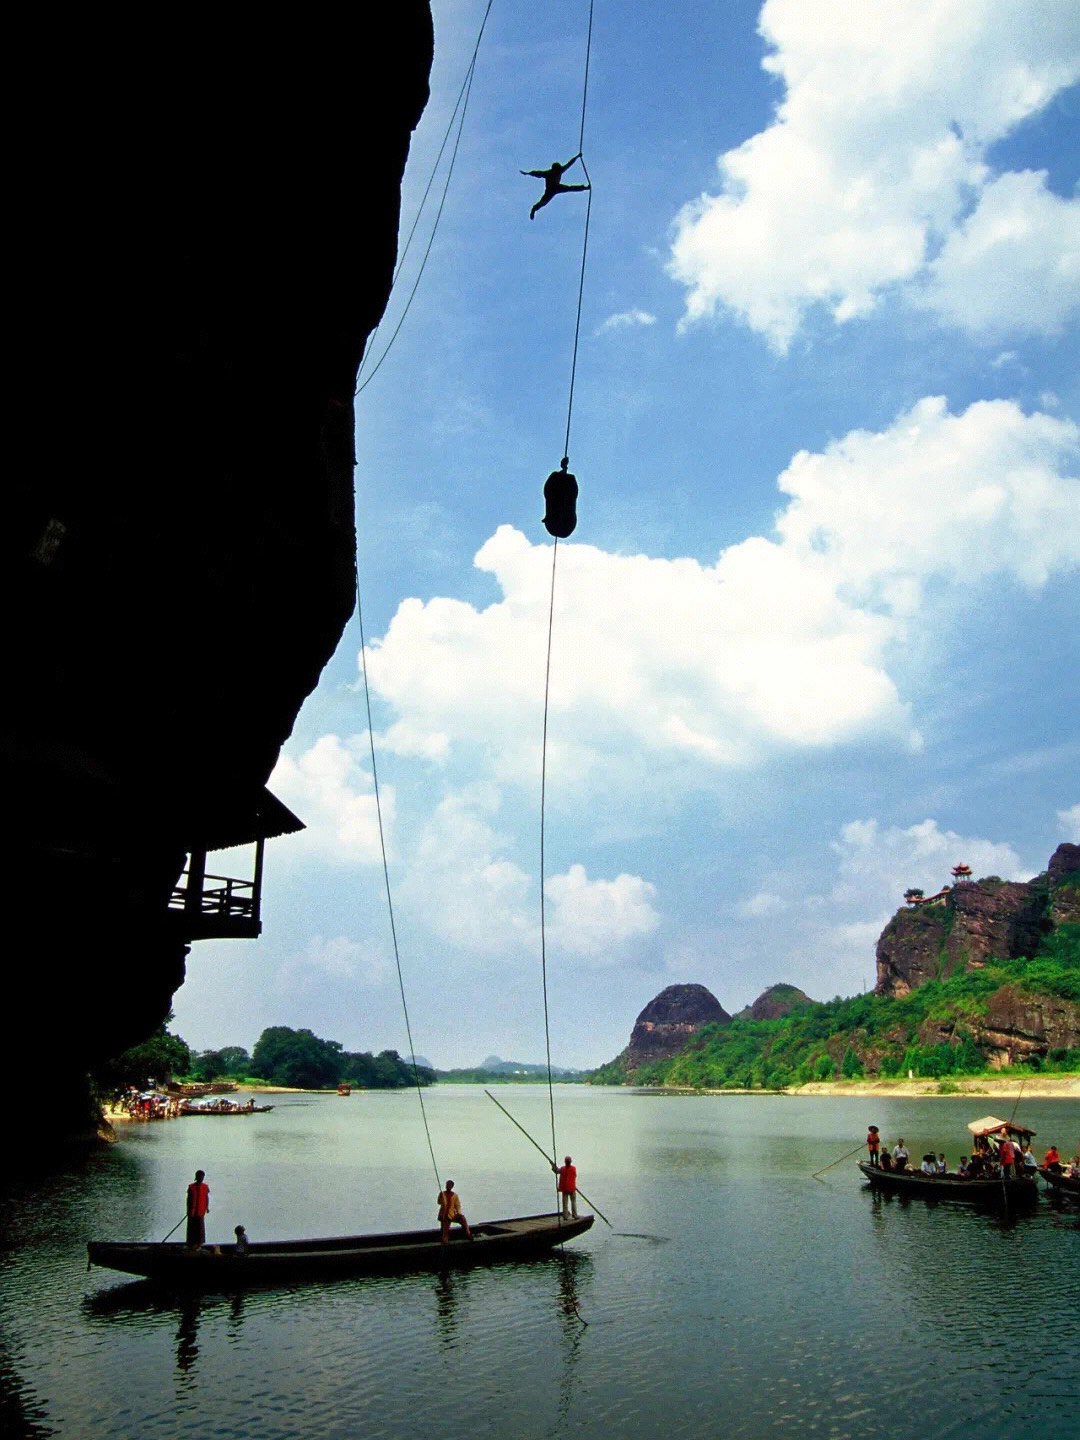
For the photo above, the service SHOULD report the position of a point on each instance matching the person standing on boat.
(1007, 1159)
(899, 1155)
(198, 1207)
(873, 1144)
(450, 1213)
(567, 1187)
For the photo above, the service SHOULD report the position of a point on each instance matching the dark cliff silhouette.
(206, 233)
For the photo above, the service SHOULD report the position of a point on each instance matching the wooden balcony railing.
(222, 906)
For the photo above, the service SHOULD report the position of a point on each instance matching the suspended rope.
(585, 243)
(389, 897)
(462, 105)
(560, 518)
(543, 827)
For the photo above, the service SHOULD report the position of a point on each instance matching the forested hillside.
(945, 1027)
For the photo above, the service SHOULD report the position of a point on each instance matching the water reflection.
(450, 1288)
(570, 1267)
(21, 1416)
(1000, 1217)
(187, 1336)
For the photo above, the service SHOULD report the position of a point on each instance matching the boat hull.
(284, 1262)
(238, 1110)
(947, 1187)
(1062, 1184)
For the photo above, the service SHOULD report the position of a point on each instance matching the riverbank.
(1033, 1087)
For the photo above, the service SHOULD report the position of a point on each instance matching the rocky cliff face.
(977, 921)
(669, 1020)
(208, 230)
(1017, 1026)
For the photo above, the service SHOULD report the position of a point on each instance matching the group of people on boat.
(197, 1207)
(1004, 1159)
(144, 1105)
(219, 1107)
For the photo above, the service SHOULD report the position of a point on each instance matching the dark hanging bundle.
(560, 497)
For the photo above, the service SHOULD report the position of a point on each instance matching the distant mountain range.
(521, 1067)
(494, 1066)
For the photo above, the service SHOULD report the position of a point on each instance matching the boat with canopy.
(993, 1189)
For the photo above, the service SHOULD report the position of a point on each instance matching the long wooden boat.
(281, 1262)
(1062, 1184)
(224, 1109)
(950, 1187)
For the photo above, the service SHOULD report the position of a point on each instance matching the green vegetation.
(295, 1059)
(299, 1060)
(527, 1075)
(153, 1062)
(231, 1063)
(929, 1032)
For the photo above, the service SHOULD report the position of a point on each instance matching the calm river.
(743, 1298)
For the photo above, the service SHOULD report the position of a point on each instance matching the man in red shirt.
(1007, 1156)
(198, 1206)
(567, 1187)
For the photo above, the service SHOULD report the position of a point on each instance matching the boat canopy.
(990, 1125)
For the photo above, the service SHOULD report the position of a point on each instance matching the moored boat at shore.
(282, 1262)
(225, 1107)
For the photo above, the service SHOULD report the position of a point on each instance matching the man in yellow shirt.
(450, 1213)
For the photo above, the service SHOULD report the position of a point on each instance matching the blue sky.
(815, 634)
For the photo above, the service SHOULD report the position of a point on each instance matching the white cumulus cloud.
(671, 665)
(874, 171)
(338, 959)
(595, 918)
(1013, 266)
(939, 496)
(1069, 821)
(461, 885)
(331, 791)
(625, 319)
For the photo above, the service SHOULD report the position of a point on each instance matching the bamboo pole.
(547, 1157)
(848, 1156)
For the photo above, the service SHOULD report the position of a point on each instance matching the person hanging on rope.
(553, 185)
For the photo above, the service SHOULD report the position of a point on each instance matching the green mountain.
(953, 997)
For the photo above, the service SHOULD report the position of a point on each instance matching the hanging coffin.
(560, 498)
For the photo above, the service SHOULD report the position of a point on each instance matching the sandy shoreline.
(1044, 1087)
